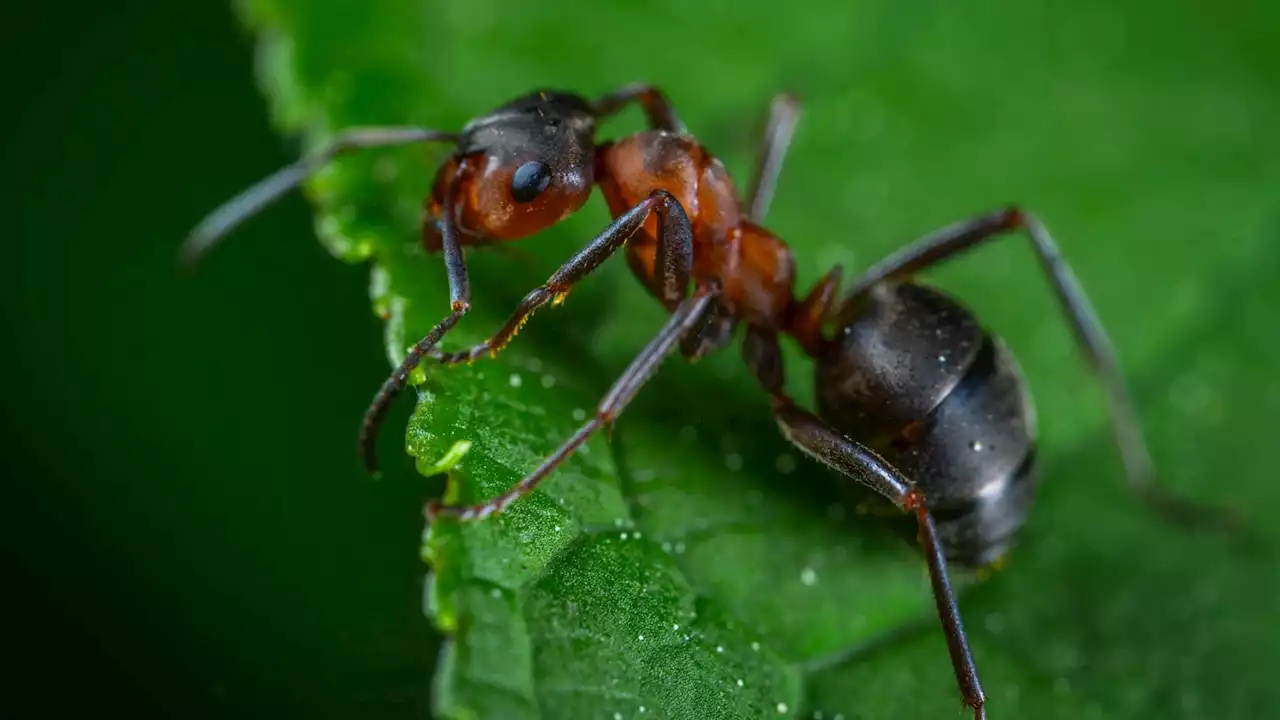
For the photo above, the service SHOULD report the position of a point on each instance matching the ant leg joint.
(1014, 217)
(913, 501)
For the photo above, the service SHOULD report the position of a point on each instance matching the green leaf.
(696, 566)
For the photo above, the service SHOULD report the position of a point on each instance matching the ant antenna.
(217, 224)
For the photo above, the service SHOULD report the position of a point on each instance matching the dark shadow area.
(185, 525)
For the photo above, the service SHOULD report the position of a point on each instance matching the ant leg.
(824, 443)
(685, 317)
(763, 356)
(816, 438)
(808, 316)
(1089, 334)
(674, 264)
(459, 305)
(806, 319)
(657, 108)
(784, 114)
(227, 216)
(714, 333)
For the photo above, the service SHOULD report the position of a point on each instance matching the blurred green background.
(186, 526)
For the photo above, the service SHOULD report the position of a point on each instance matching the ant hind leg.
(1090, 337)
(819, 440)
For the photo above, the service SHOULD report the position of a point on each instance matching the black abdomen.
(917, 378)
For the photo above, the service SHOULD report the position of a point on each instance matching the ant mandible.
(941, 404)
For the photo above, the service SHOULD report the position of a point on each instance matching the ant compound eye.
(529, 180)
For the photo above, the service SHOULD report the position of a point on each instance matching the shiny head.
(524, 167)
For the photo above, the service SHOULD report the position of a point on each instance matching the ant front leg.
(459, 304)
(816, 438)
(674, 264)
(947, 243)
(686, 317)
(227, 216)
(657, 108)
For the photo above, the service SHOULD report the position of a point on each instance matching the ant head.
(520, 169)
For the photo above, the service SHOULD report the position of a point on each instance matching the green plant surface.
(695, 566)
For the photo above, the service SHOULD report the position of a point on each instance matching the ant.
(947, 426)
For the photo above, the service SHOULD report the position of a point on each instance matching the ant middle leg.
(784, 114)
(227, 216)
(674, 266)
(1090, 337)
(686, 317)
(806, 319)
